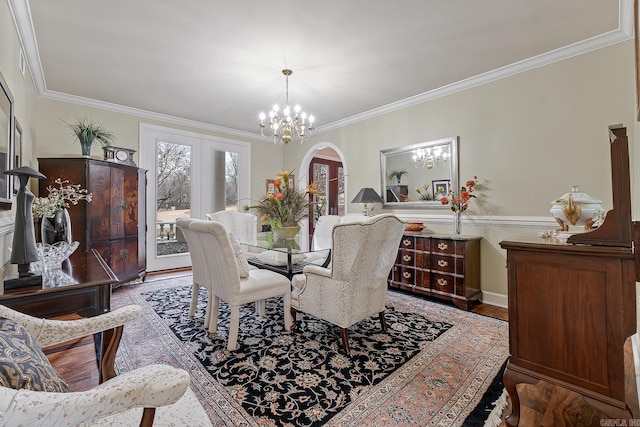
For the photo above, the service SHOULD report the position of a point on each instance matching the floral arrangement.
(460, 203)
(424, 193)
(46, 207)
(285, 206)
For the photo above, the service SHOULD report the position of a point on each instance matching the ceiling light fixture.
(285, 127)
(429, 157)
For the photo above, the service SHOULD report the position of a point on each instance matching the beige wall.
(526, 137)
(55, 138)
(25, 110)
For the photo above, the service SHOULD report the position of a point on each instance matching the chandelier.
(283, 126)
(430, 157)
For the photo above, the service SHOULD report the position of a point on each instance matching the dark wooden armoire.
(114, 222)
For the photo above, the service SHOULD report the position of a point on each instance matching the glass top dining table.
(284, 256)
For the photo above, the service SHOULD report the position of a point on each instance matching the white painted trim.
(493, 298)
(484, 220)
(24, 25)
(21, 14)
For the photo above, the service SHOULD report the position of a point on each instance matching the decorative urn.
(576, 212)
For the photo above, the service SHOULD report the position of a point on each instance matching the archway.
(332, 154)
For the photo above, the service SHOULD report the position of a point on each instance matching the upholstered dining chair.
(243, 225)
(198, 267)
(232, 281)
(355, 286)
(321, 240)
(33, 393)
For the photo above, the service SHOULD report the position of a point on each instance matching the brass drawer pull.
(442, 282)
(406, 242)
(406, 258)
(442, 263)
(443, 246)
(406, 275)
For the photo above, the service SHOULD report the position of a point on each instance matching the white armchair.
(321, 241)
(355, 287)
(116, 401)
(227, 284)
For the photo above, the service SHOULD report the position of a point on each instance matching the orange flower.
(460, 203)
(279, 195)
(278, 183)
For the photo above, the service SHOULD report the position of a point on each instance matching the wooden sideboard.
(571, 308)
(114, 222)
(89, 296)
(442, 266)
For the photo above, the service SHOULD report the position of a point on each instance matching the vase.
(85, 144)
(56, 228)
(457, 224)
(286, 232)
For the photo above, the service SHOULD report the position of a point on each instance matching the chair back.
(221, 264)
(323, 231)
(243, 225)
(198, 260)
(364, 252)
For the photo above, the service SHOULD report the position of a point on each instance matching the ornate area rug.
(432, 367)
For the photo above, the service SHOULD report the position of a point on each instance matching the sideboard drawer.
(404, 275)
(407, 258)
(443, 246)
(444, 264)
(442, 283)
(407, 242)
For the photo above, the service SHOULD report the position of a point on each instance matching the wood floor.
(541, 405)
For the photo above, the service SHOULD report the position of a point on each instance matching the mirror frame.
(453, 173)
(6, 140)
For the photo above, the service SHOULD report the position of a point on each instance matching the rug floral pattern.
(430, 368)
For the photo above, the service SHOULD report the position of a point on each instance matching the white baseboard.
(495, 299)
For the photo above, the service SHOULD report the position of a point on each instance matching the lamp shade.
(367, 195)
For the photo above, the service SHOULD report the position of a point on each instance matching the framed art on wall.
(6, 138)
(271, 186)
(17, 153)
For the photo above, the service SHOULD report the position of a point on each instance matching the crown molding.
(88, 102)
(623, 33)
(21, 14)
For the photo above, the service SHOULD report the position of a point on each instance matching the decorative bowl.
(414, 226)
(575, 211)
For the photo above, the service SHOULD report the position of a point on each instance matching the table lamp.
(367, 195)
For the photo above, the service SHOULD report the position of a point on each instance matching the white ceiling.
(219, 63)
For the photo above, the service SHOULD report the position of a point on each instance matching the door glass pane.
(340, 191)
(321, 180)
(173, 195)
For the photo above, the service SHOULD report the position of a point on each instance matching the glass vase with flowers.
(51, 211)
(285, 207)
(460, 202)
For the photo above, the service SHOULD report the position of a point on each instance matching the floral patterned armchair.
(32, 393)
(355, 286)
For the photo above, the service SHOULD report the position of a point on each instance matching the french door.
(190, 175)
(328, 175)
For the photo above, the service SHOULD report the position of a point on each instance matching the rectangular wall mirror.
(6, 138)
(416, 176)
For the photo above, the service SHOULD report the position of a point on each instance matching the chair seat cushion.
(23, 365)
